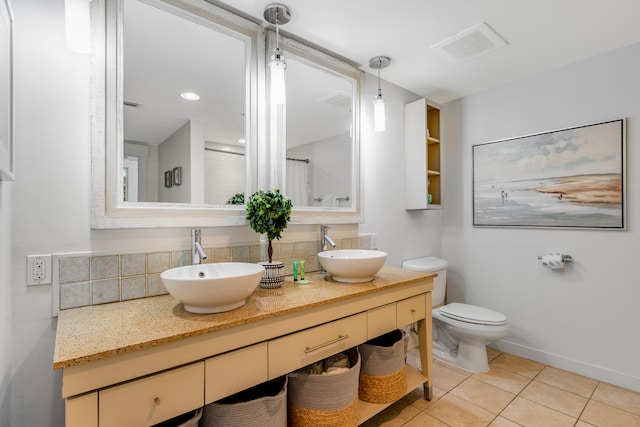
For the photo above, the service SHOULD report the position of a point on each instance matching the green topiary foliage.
(237, 199)
(269, 212)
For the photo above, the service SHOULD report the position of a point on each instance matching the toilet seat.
(473, 314)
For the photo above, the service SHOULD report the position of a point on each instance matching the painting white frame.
(7, 154)
(571, 178)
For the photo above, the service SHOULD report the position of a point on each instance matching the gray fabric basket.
(325, 400)
(326, 392)
(382, 376)
(250, 408)
(383, 355)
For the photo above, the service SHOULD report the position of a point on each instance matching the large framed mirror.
(160, 157)
(317, 135)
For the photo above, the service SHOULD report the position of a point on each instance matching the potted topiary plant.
(268, 213)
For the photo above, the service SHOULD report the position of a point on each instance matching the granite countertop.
(95, 332)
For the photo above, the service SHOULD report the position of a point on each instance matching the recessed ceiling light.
(190, 96)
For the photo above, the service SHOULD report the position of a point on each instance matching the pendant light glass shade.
(277, 14)
(277, 70)
(379, 119)
(379, 114)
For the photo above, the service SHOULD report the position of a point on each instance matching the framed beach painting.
(568, 178)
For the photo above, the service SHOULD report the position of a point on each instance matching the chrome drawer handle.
(340, 338)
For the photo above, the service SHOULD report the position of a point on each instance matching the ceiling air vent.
(340, 98)
(471, 43)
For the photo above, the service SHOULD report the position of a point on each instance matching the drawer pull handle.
(156, 400)
(413, 310)
(312, 349)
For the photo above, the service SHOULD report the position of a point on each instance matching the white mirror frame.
(108, 208)
(277, 135)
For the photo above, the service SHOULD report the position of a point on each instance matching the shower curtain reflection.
(298, 187)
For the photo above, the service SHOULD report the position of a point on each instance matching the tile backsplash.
(89, 279)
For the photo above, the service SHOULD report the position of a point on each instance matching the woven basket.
(264, 405)
(382, 377)
(273, 276)
(325, 400)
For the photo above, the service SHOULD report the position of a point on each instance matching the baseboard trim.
(577, 367)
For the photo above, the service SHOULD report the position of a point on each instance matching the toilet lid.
(473, 314)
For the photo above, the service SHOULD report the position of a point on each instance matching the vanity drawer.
(153, 399)
(381, 320)
(235, 371)
(302, 348)
(411, 310)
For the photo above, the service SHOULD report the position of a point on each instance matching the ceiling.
(541, 35)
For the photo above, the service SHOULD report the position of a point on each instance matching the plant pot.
(273, 274)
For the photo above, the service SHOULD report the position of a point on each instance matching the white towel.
(328, 201)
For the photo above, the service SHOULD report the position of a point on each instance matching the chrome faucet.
(324, 238)
(197, 253)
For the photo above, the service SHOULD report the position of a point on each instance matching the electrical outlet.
(38, 270)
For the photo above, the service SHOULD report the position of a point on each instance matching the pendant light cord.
(379, 89)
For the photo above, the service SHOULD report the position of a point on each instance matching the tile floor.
(515, 392)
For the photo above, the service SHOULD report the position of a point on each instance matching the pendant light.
(379, 119)
(277, 14)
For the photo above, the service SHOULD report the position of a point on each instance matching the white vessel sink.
(212, 288)
(352, 265)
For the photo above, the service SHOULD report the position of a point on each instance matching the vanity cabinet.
(156, 382)
(422, 154)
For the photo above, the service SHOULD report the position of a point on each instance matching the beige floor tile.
(452, 367)
(484, 395)
(617, 397)
(416, 398)
(445, 377)
(503, 422)
(517, 365)
(583, 424)
(505, 380)
(530, 414)
(601, 415)
(395, 415)
(425, 420)
(492, 353)
(457, 412)
(567, 381)
(555, 398)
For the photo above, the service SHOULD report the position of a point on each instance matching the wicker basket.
(325, 400)
(382, 376)
(264, 405)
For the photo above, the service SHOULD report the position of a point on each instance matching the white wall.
(402, 234)
(5, 303)
(173, 152)
(586, 318)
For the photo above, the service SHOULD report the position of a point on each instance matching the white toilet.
(461, 332)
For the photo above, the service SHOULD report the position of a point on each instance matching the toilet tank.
(431, 264)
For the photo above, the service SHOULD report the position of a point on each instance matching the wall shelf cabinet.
(422, 151)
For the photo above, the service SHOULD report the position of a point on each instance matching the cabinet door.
(415, 155)
(300, 349)
(153, 399)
